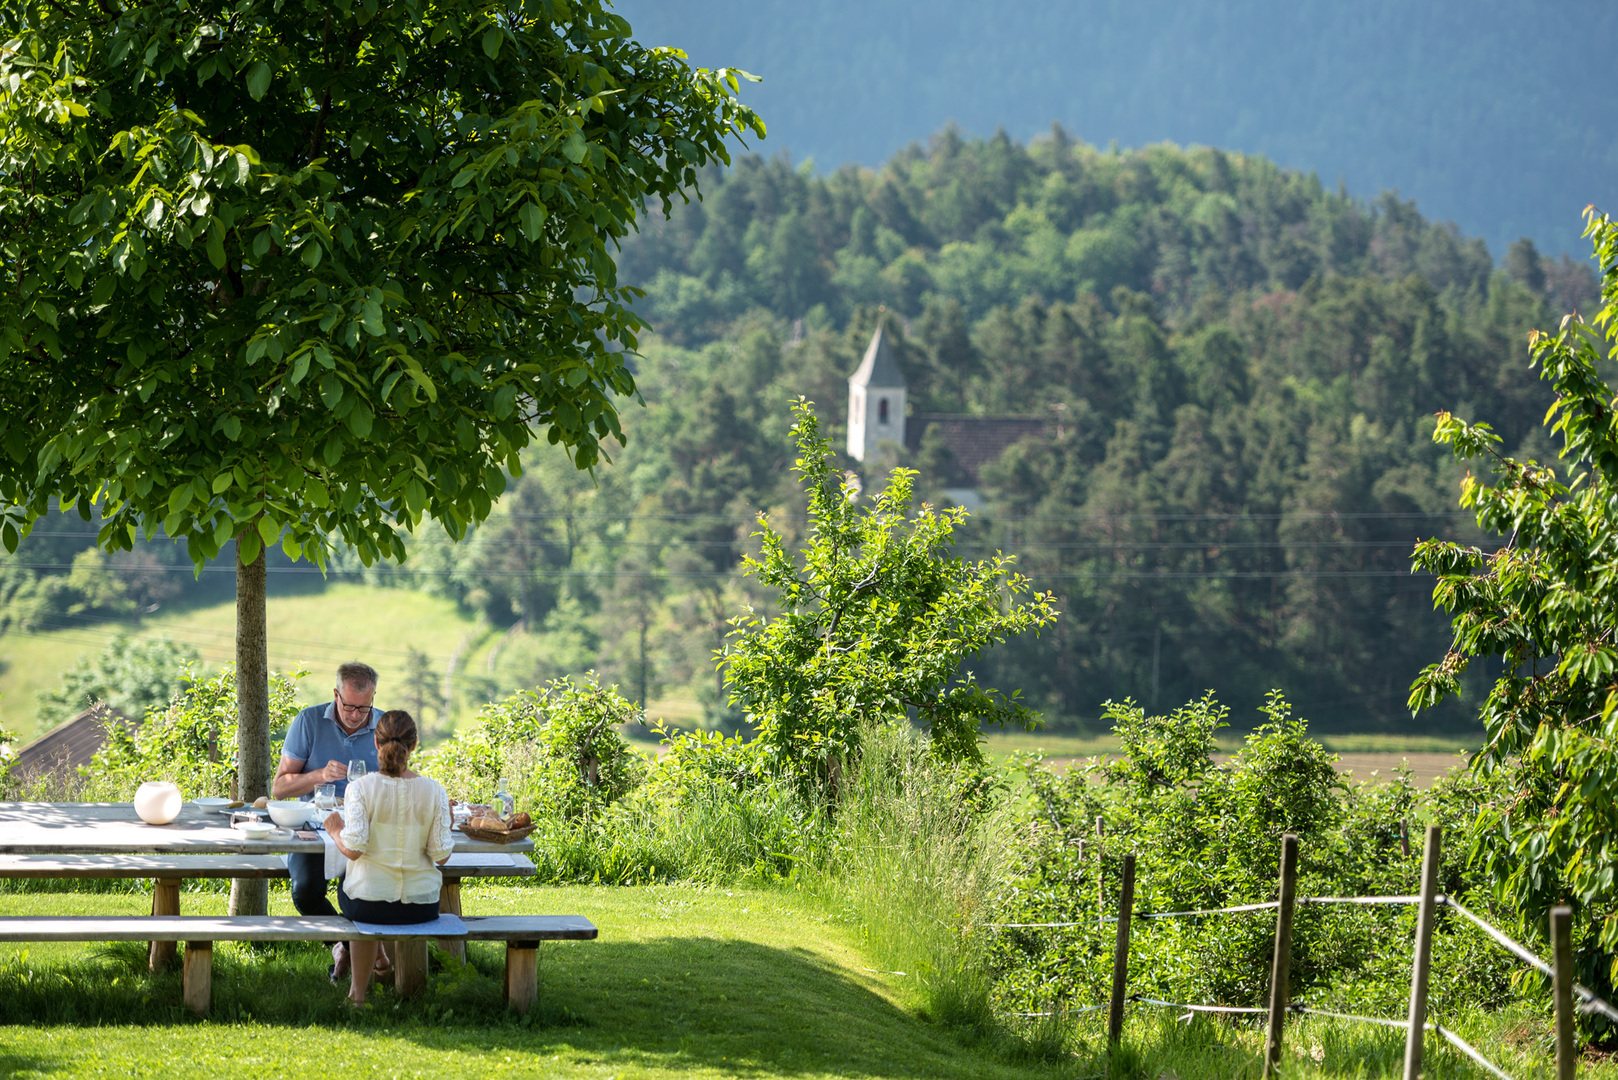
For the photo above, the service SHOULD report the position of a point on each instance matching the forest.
(1238, 368)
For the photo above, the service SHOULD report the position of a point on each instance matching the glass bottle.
(504, 804)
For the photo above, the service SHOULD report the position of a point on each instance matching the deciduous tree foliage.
(876, 619)
(1546, 605)
(279, 271)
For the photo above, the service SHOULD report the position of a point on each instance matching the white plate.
(255, 830)
(211, 803)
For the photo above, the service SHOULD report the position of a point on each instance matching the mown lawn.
(683, 981)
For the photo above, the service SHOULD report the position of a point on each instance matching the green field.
(1002, 745)
(313, 630)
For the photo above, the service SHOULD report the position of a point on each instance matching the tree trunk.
(251, 896)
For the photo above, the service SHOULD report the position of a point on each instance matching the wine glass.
(356, 769)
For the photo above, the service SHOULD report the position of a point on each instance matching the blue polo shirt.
(316, 738)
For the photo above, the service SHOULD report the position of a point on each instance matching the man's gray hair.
(359, 676)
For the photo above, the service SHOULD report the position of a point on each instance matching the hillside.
(1234, 369)
(1496, 115)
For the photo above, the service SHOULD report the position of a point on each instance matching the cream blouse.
(400, 827)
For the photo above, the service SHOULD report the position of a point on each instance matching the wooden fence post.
(1120, 953)
(1562, 989)
(1281, 966)
(1425, 910)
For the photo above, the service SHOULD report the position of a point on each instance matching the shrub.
(173, 742)
(558, 747)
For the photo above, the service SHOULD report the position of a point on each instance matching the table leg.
(522, 974)
(449, 903)
(165, 901)
(198, 980)
(410, 966)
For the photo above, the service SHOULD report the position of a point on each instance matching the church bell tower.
(876, 400)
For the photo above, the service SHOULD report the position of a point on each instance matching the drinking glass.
(356, 769)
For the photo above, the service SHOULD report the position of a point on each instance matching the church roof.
(973, 441)
(880, 367)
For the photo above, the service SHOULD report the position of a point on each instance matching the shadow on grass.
(673, 1003)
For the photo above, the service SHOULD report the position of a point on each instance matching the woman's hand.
(334, 823)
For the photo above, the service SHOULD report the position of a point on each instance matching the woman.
(396, 837)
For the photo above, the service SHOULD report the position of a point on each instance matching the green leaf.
(248, 547)
(232, 427)
(331, 390)
(258, 80)
(268, 530)
(222, 481)
(216, 243)
(8, 537)
(533, 220)
(360, 419)
(371, 318)
(574, 147)
(491, 42)
(311, 253)
(179, 499)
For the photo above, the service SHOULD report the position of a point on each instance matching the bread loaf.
(262, 802)
(519, 821)
(493, 824)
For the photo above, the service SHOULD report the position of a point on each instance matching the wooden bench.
(167, 871)
(521, 933)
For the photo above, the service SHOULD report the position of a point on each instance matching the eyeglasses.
(346, 707)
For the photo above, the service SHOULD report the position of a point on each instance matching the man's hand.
(333, 772)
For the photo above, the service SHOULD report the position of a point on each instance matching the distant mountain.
(1496, 114)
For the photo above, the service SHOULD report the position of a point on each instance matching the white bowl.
(289, 813)
(255, 830)
(211, 803)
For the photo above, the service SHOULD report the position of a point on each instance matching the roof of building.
(973, 441)
(879, 367)
(67, 747)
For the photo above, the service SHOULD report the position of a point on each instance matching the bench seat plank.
(275, 928)
(143, 866)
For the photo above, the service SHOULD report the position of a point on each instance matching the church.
(876, 415)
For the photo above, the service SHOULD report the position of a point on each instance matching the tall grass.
(916, 867)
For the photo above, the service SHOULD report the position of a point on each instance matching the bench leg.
(410, 967)
(165, 901)
(198, 977)
(522, 974)
(449, 903)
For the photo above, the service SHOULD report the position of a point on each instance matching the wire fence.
(1415, 1023)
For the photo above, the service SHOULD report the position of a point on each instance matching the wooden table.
(113, 829)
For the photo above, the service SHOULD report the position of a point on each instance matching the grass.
(684, 981)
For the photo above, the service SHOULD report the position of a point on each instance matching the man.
(321, 742)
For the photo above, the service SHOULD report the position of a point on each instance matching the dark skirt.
(385, 912)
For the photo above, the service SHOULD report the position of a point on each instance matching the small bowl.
(255, 830)
(211, 803)
(289, 813)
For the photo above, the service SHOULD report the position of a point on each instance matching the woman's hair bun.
(395, 738)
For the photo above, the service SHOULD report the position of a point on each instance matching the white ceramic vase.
(157, 802)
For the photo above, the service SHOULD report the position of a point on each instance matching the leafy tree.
(875, 625)
(131, 675)
(309, 272)
(1544, 605)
